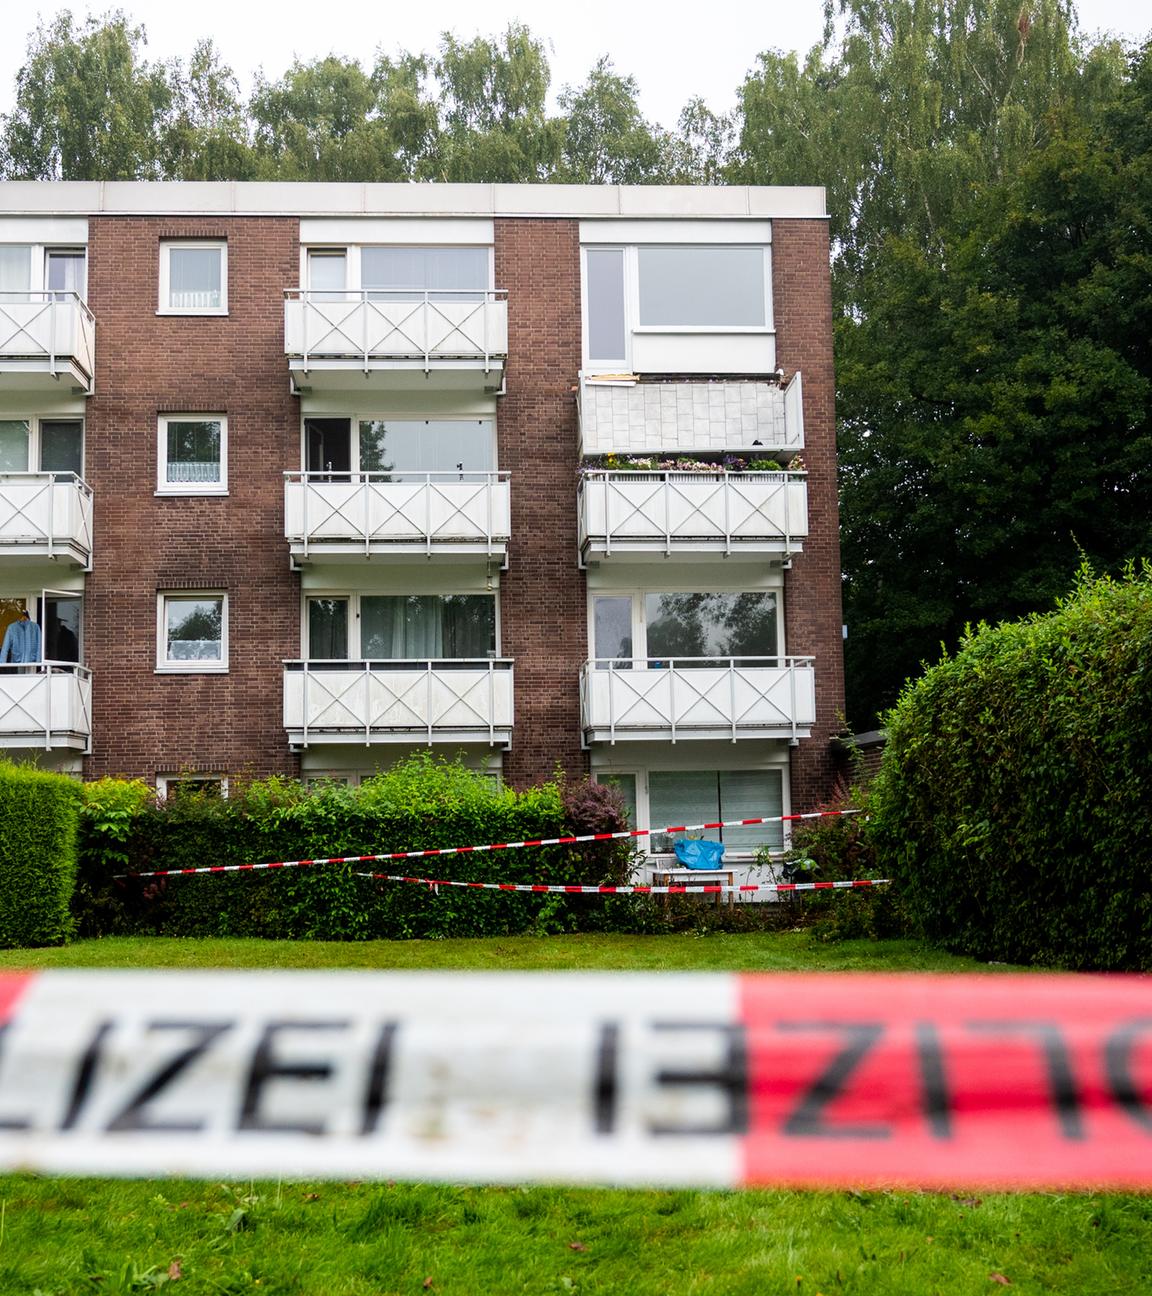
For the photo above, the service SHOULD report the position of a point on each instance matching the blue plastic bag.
(699, 854)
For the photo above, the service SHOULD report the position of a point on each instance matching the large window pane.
(193, 450)
(424, 626)
(328, 628)
(682, 797)
(625, 784)
(62, 446)
(67, 273)
(701, 286)
(710, 625)
(61, 618)
(453, 273)
(612, 617)
(752, 794)
(194, 278)
(195, 629)
(426, 445)
(15, 268)
(13, 445)
(327, 271)
(605, 281)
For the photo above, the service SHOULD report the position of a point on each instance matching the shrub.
(38, 821)
(422, 803)
(1014, 800)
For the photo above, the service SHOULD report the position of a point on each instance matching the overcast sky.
(674, 52)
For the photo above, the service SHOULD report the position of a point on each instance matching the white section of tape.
(610, 1078)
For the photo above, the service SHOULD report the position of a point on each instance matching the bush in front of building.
(420, 804)
(38, 826)
(1014, 801)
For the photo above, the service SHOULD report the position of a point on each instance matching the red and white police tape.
(492, 846)
(674, 888)
(993, 1081)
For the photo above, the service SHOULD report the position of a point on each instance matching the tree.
(605, 137)
(206, 136)
(88, 106)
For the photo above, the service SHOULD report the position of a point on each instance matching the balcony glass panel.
(426, 445)
(428, 626)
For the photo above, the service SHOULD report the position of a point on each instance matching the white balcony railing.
(46, 514)
(47, 704)
(624, 416)
(445, 700)
(626, 514)
(327, 514)
(697, 697)
(369, 328)
(47, 335)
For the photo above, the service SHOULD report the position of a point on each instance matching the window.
(398, 627)
(193, 455)
(386, 446)
(42, 445)
(65, 273)
(692, 629)
(174, 786)
(15, 271)
(400, 273)
(194, 278)
(711, 796)
(667, 289)
(192, 632)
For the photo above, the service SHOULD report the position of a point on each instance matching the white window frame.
(163, 485)
(632, 323)
(166, 247)
(353, 282)
(35, 443)
(164, 666)
(406, 417)
(643, 801)
(353, 597)
(38, 252)
(639, 622)
(164, 782)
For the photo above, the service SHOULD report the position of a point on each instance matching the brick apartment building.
(300, 478)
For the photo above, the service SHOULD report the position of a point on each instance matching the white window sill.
(169, 310)
(193, 668)
(185, 493)
(721, 330)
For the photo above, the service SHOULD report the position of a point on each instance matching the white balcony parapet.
(677, 698)
(360, 514)
(371, 330)
(624, 416)
(630, 514)
(437, 701)
(46, 337)
(46, 515)
(47, 705)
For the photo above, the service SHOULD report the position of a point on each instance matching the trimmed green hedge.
(420, 804)
(38, 819)
(1014, 802)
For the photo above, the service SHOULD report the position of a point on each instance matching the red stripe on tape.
(12, 987)
(994, 1081)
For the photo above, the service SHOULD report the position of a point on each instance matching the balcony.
(46, 705)
(338, 341)
(347, 516)
(369, 702)
(623, 416)
(47, 343)
(46, 515)
(638, 515)
(678, 698)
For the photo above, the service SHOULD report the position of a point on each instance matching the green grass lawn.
(62, 1236)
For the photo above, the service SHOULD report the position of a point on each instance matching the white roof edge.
(256, 198)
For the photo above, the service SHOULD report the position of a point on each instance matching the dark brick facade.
(542, 595)
(801, 283)
(147, 364)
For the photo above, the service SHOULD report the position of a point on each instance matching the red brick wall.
(803, 309)
(147, 364)
(542, 595)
